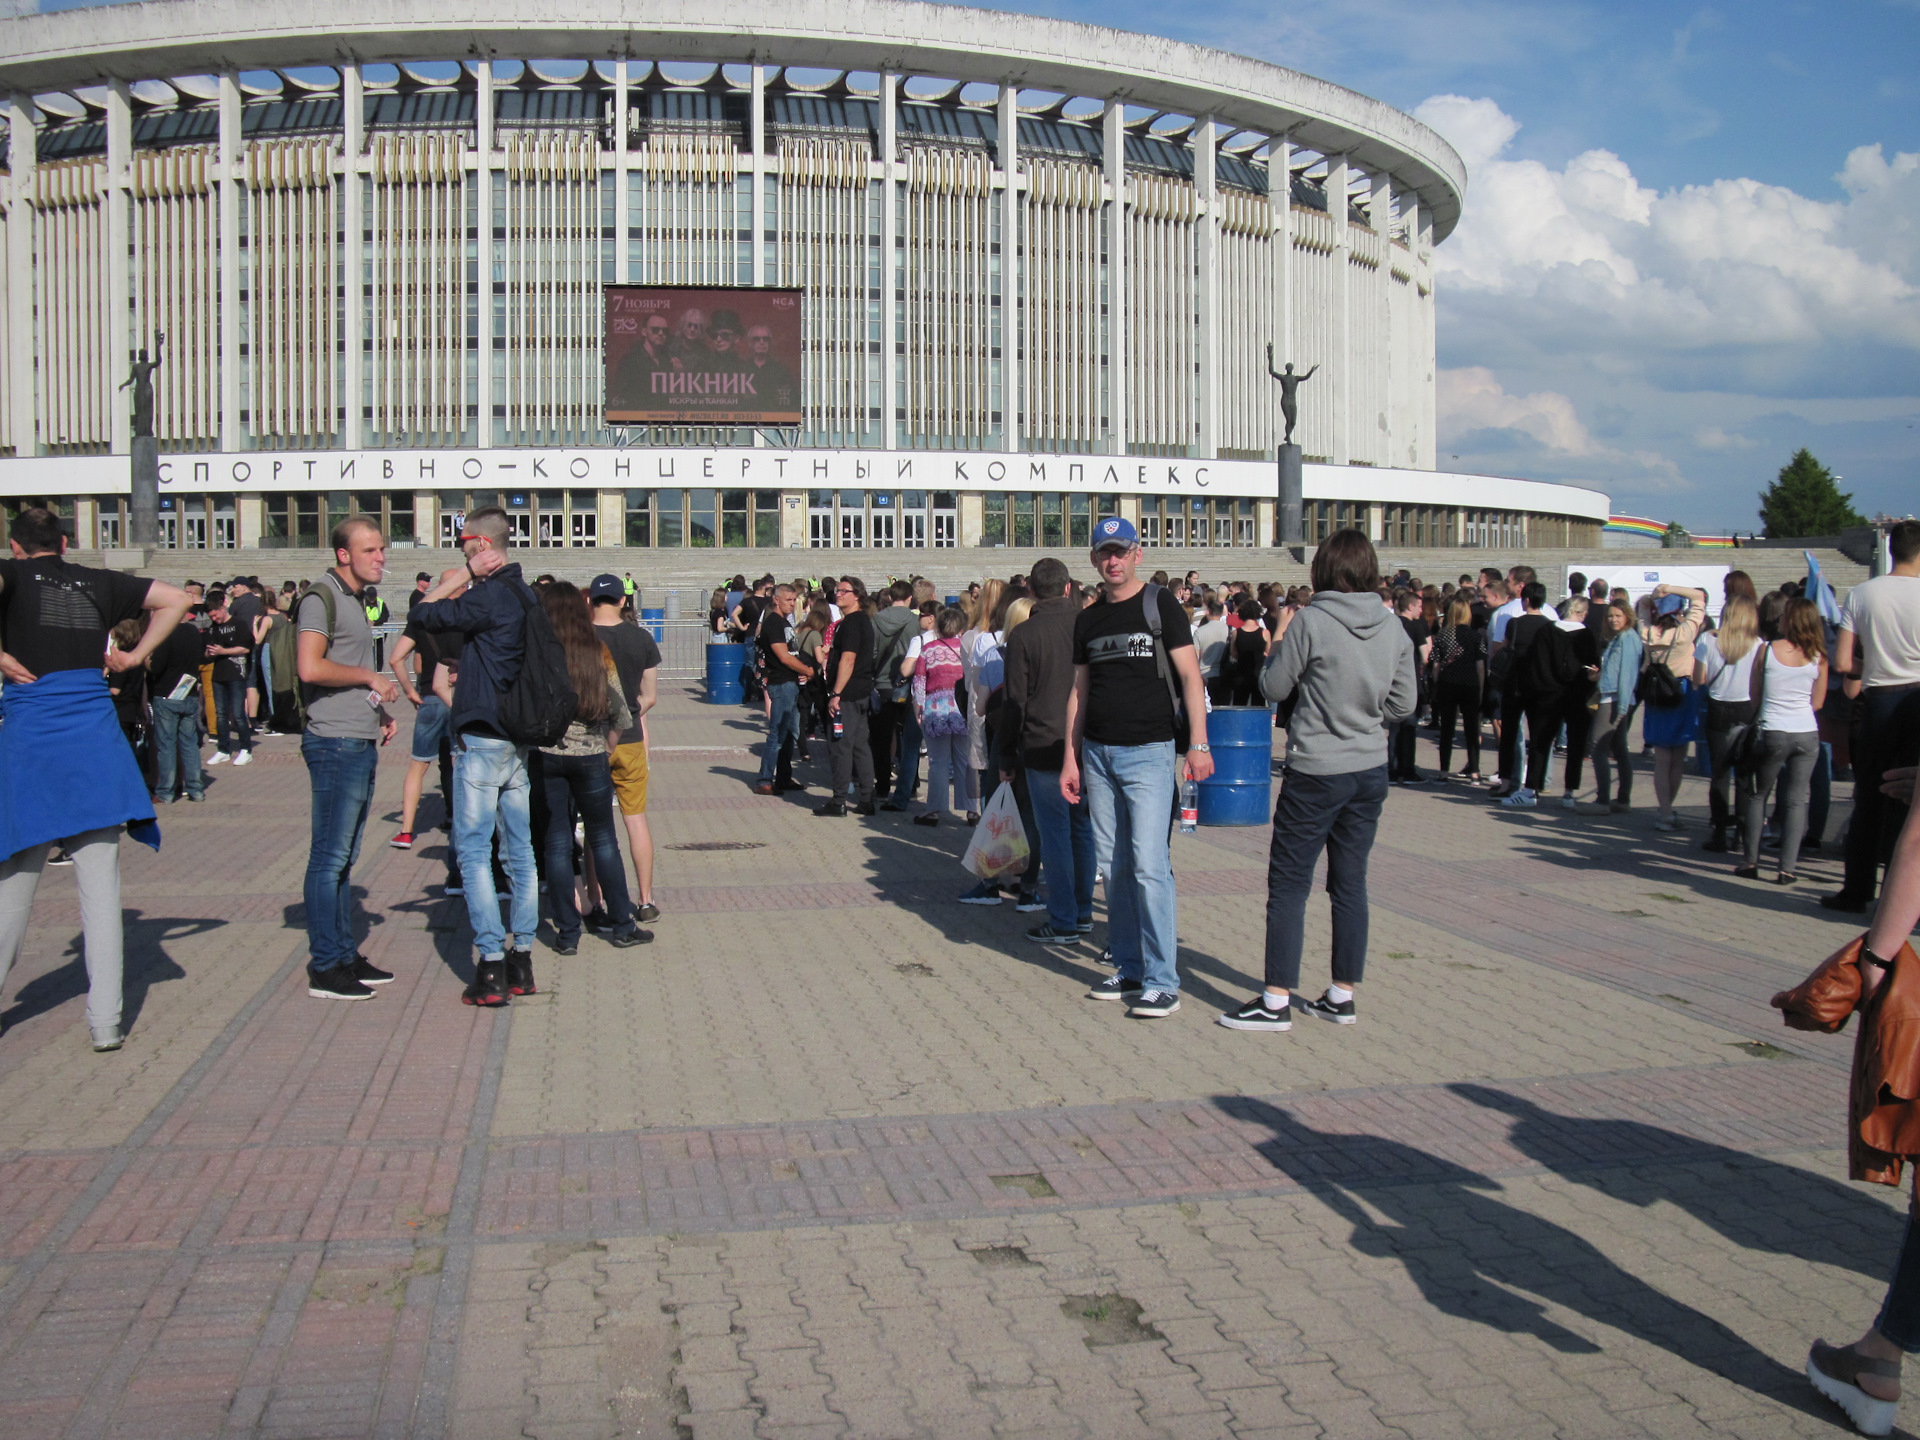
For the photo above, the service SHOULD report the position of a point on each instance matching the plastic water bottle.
(839, 730)
(1189, 806)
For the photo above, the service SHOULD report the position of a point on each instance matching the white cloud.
(1646, 341)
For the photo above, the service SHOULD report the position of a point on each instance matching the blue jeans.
(783, 732)
(1129, 790)
(587, 781)
(491, 786)
(176, 746)
(1066, 842)
(230, 711)
(341, 774)
(911, 740)
(1337, 814)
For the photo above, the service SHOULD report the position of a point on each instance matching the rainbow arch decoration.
(1654, 529)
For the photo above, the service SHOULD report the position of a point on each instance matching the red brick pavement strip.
(945, 1167)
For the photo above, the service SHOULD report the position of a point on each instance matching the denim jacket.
(1620, 666)
(491, 614)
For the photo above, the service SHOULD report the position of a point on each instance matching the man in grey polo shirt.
(346, 727)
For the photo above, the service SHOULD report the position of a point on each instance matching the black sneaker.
(336, 984)
(1116, 987)
(1154, 1005)
(597, 920)
(832, 810)
(519, 965)
(891, 807)
(1047, 935)
(1254, 1015)
(1085, 927)
(630, 937)
(930, 819)
(864, 809)
(565, 947)
(368, 973)
(60, 857)
(646, 912)
(1326, 1009)
(489, 985)
(1843, 902)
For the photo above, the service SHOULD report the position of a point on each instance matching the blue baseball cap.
(1670, 605)
(607, 587)
(1115, 531)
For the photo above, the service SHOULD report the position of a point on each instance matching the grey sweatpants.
(96, 865)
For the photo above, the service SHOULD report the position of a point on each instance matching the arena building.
(1041, 266)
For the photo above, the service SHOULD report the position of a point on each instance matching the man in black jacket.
(1033, 733)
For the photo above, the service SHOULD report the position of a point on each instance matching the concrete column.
(227, 170)
(353, 123)
(1009, 116)
(758, 113)
(1114, 148)
(972, 519)
(793, 519)
(249, 515)
(1422, 245)
(22, 221)
(1207, 263)
(1374, 443)
(621, 222)
(1280, 200)
(120, 293)
(889, 225)
(483, 182)
(613, 519)
(1341, 398)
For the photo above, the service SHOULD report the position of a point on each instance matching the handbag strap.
(1757, 680)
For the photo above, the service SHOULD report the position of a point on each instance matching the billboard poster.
(702, 355)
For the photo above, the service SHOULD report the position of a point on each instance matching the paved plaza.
(836, 1156)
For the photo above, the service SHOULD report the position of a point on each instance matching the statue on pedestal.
(141, 379)
(1290, 384)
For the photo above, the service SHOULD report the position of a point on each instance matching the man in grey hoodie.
(1349, 666)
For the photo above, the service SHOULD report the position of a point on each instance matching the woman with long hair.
(936, 672)
(1670, 727)
(1459, 675)
(808, 639)
(1723, 665)
(1348, 660)
(979, 650)
(1793, 687)
(575, 775)
(1619, 671)
(1246, 655)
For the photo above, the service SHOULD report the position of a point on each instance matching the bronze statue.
(1290, 384)
(141, 379)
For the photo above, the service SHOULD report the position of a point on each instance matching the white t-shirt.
(1210, 639)
(1789, 699)
(1884, 616)
(1726, 681)
(1509, 612)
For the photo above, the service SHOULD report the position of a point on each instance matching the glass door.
(169, 532)
(519, 529)
(853, 529)
(913, 529)
(584, 529)
(946, 529)
(194, 529)
(452, 522)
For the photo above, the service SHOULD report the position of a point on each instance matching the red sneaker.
(402, 841)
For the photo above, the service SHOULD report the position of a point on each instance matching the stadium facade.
(1041, 265)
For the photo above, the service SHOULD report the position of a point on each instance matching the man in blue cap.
(1138, 702)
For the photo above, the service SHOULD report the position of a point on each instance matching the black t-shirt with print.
(853, 635)
(180, 655)
(1127, 701)
(231, 631)
(776, 629)
(634, 653)
(55, 616)
(434, 647)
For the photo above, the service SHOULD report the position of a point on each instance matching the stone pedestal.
(1290, 511)
(143, 508)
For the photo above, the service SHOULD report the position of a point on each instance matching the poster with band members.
(693, 355)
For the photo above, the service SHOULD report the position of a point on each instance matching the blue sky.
(1692, 235)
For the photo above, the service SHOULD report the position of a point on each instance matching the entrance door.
(883, 529)
(452, 522)
(519, 529)
(913, 529)
(169, 532)
(853, 530)
(945, 529)
(585, 529)
(194, 530)
(225, 536)
(820, 530)
(109, 531)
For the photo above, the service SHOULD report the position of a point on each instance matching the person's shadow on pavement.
(1477, 1258)
(1754, 1202)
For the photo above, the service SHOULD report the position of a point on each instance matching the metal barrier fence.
(683, 646)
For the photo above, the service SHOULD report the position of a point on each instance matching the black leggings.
(1462, 699)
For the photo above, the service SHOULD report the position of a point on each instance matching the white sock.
(1273, 1001)
(1339, 994)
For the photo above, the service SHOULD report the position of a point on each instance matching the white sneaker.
(1521, 800)
(1567, 802)
(219, 757)
(245, 757)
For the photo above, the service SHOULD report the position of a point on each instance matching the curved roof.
(72, 48)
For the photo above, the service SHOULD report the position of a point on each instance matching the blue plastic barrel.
(724, 659)
(953, 599)
(1240, 790)
(656, 623)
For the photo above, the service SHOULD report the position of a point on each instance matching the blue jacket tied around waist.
(65, 766)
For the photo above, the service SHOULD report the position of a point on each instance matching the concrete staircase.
(690, 575)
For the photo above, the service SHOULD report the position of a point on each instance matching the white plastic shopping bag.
(999, 849)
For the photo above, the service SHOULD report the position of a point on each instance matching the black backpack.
(540, 702)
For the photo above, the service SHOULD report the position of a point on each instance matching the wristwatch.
(1203, 749)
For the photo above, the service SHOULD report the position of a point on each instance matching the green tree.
(1806, 501)
(1678, 537)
